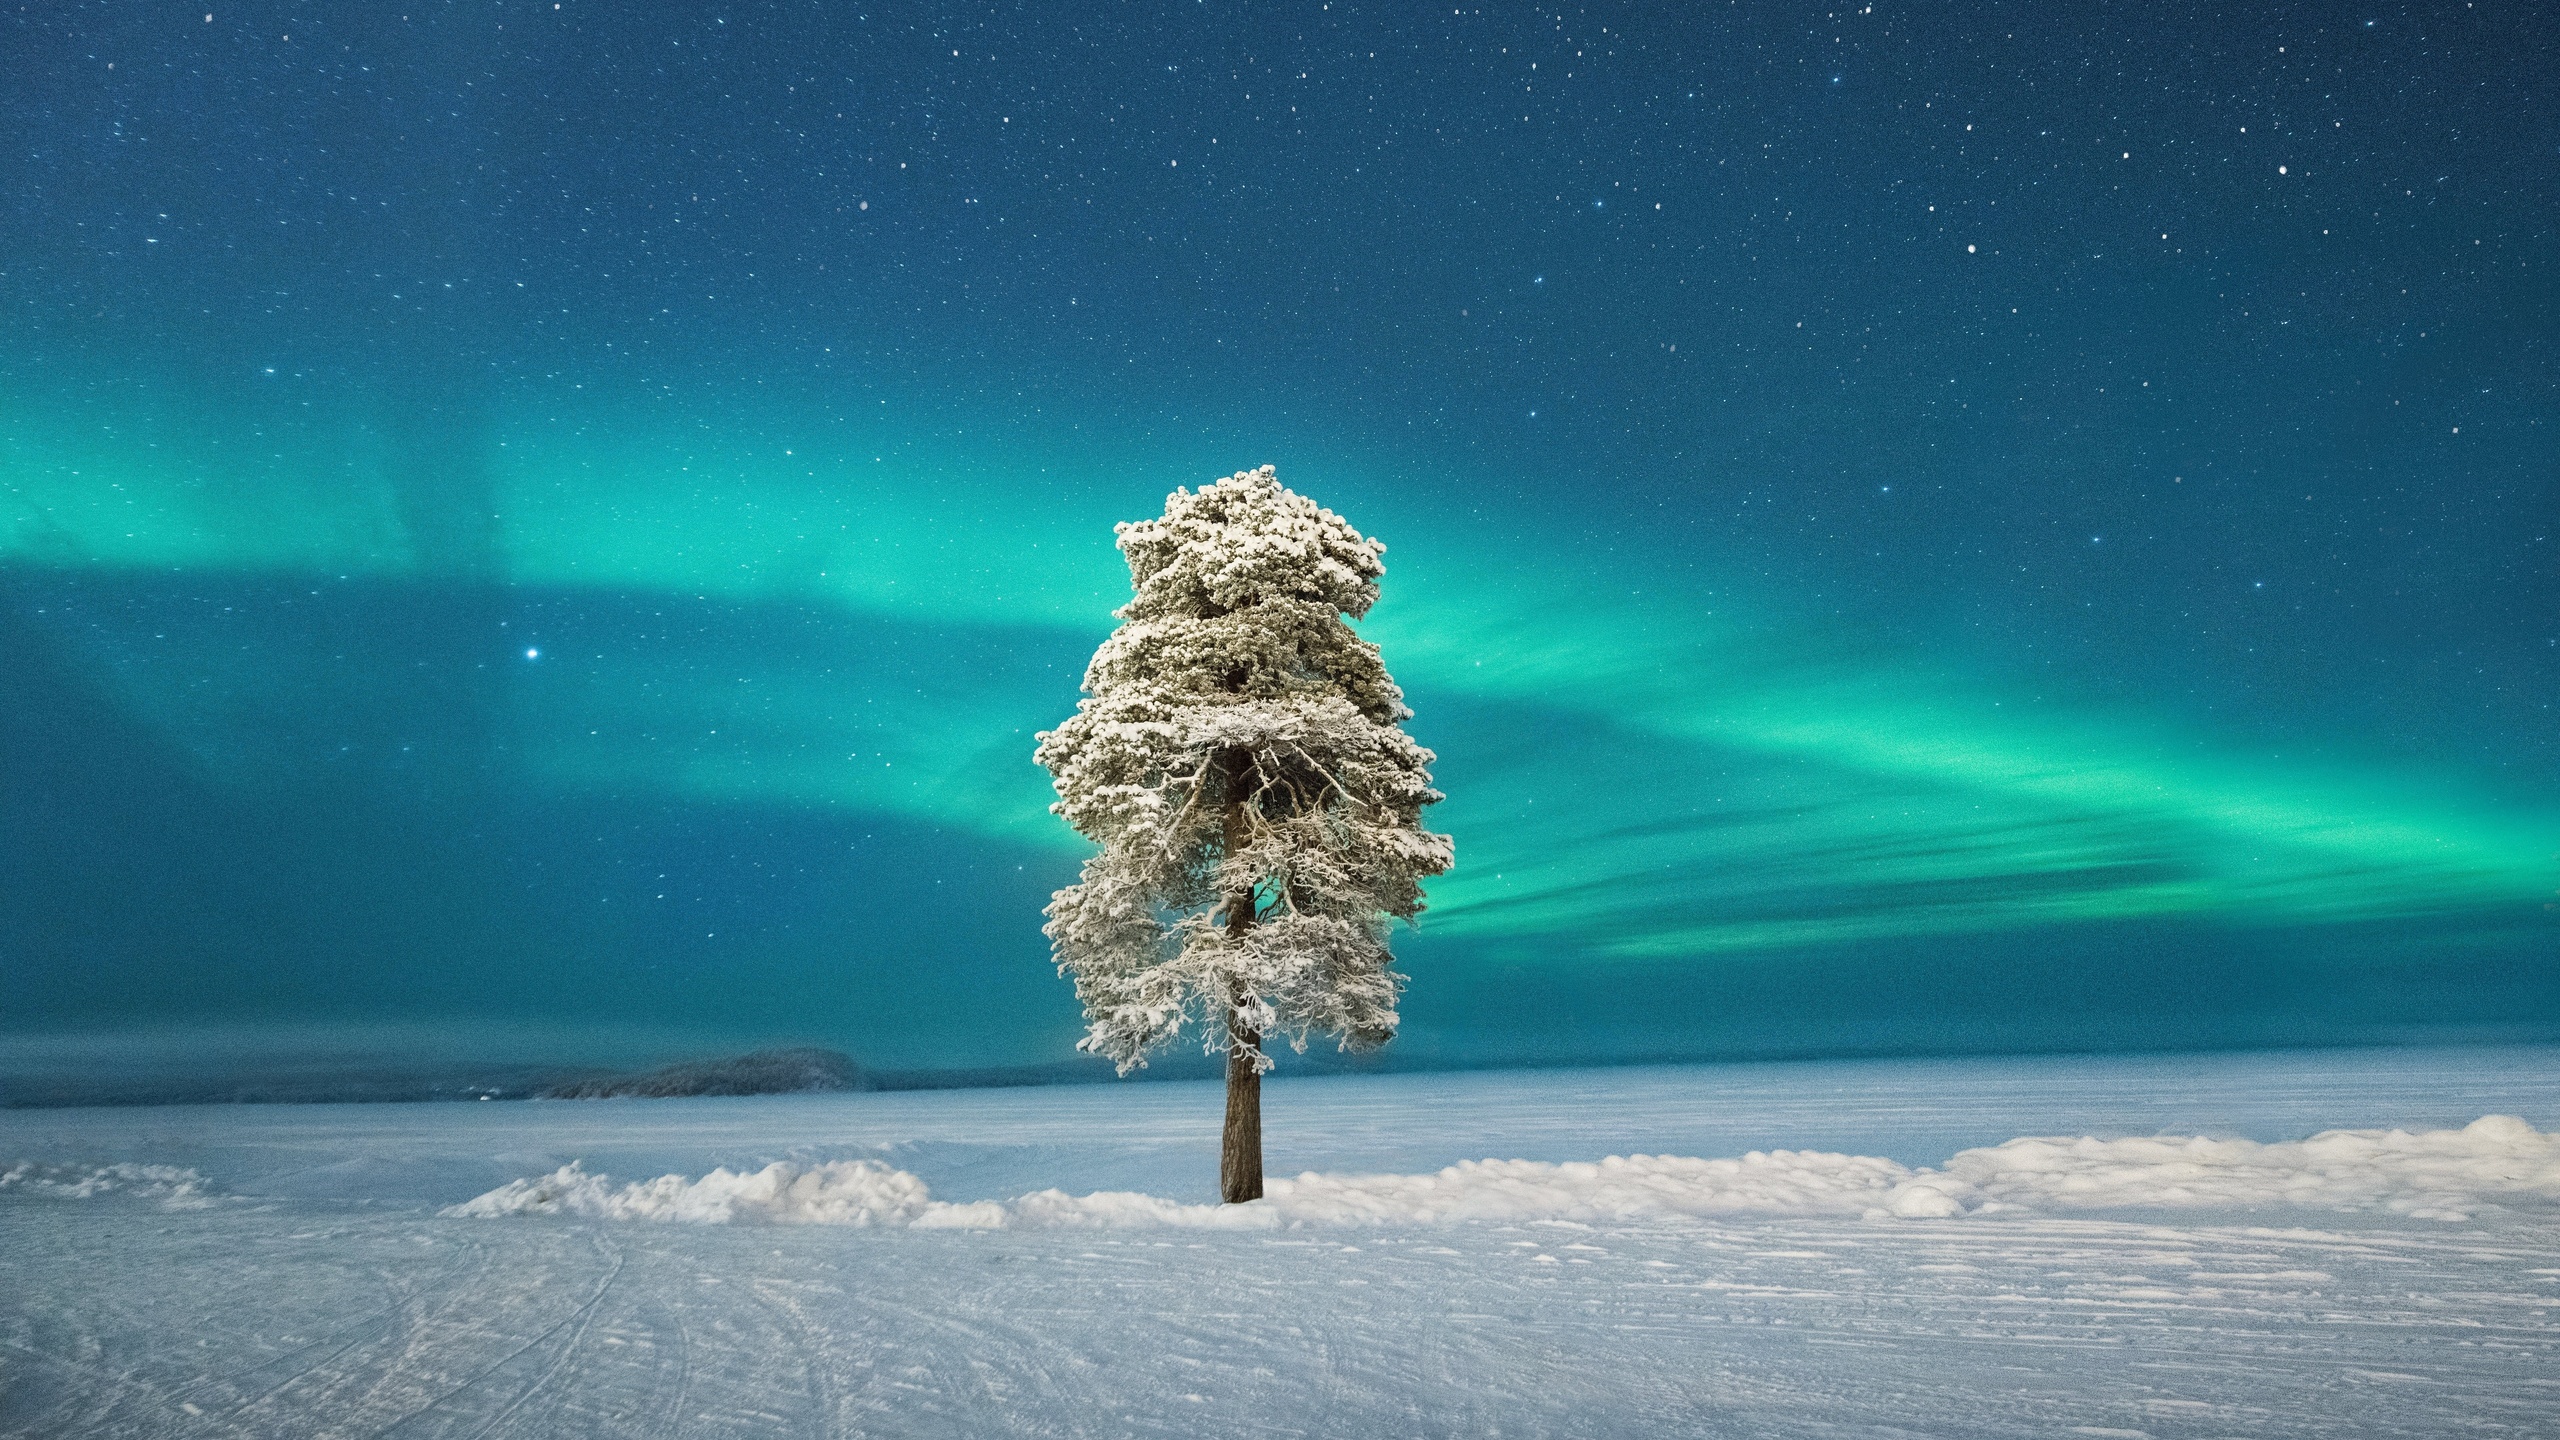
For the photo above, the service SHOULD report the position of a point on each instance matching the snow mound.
(1622, 1187)
(842, 1192)
(171, 1185)
(1105, 1209)
(2434, 1174)
(2430, 1174)
(862, 1193)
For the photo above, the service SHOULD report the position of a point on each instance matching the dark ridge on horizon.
(798, 1070)
(815, 1070)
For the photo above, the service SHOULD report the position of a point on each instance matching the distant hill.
(106, 1076)
(766, 1072)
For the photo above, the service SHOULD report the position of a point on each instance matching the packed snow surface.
(2246, 1246)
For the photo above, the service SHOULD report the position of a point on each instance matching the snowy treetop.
(1244, 540)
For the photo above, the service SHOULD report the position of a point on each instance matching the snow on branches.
(1238, 759)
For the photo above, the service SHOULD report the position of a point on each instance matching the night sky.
(549, 529)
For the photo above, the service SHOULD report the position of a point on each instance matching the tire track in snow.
(350, 1378)
(108, 1389)
(828, 1415)
(582, 1318)
(400, 1318)
(575, 1322)
(675, 1415)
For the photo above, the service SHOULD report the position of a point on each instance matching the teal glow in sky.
(1922, 587)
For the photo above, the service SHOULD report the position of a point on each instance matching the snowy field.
(1811, 1250)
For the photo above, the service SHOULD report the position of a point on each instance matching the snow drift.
(2431, 1174)
(2434, 1174)
(844, 1192)
(840, 1192)
(171, 1185)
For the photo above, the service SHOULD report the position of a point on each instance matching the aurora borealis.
(545, 527)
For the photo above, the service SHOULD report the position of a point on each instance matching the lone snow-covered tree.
(1238, 758)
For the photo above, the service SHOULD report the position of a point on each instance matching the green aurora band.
(1652, 766)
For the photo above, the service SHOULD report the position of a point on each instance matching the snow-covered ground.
(1844, 1249)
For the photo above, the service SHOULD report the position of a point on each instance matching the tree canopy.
(1239, 757)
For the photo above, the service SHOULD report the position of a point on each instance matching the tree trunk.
(1240, 1145)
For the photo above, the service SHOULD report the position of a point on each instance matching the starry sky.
(549, 529)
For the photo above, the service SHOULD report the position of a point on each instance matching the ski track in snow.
(2381, 1286)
